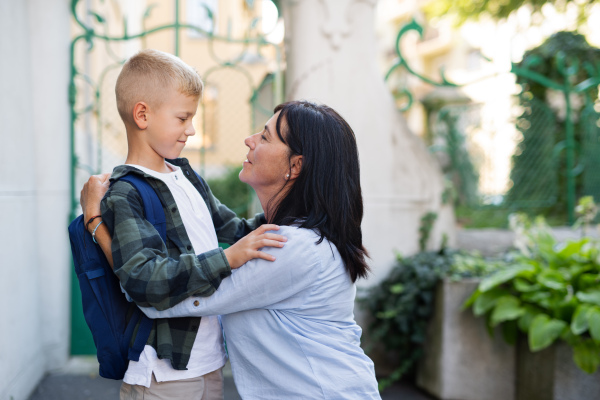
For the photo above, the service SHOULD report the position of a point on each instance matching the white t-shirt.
(208, 353)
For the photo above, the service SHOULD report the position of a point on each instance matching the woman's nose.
(249, 141)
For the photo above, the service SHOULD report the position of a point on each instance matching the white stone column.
(49, 26)
(20, 339)
(34, 176)
(331, 59)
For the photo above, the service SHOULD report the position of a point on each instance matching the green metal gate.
(557, 156)
(224, 41)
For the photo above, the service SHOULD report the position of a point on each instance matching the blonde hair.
(148, 75)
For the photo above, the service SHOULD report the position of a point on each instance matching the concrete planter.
(461, 360)
(551, 374)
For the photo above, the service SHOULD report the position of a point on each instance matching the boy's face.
(170, 125)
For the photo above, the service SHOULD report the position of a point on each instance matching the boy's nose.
(190, 131)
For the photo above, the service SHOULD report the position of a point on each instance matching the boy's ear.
(140, 116)
(295, 166)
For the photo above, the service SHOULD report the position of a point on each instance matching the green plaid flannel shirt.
(160, 274)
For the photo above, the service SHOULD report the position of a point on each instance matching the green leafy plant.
(550, 292)
(586, 211)
(402, 304)
(425, 228)
(232, 192)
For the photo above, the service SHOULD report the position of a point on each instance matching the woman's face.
(267, 162)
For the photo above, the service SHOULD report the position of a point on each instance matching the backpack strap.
(153, 209)
(142, 336)
(155, 214)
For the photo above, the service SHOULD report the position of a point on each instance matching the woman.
(289, 324)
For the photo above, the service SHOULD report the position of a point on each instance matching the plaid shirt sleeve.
(228, 226)
(141, 258)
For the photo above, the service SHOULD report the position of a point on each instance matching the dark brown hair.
(326, 196)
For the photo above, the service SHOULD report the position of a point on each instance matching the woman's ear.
(140, 117)
(295, 166)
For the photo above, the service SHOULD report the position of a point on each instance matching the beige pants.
(205, 387)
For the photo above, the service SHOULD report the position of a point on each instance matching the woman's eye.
(183, 119)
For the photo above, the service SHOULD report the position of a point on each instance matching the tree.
(499, 9)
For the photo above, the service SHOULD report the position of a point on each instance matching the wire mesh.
(226, 46)
(534, 173)
(590, 151)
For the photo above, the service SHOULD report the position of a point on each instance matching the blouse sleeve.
(281, 284)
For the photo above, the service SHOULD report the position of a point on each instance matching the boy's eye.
(263, 137)
(183, 119)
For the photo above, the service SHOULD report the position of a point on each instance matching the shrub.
(232, 192)
(402, 304)
(550, 293)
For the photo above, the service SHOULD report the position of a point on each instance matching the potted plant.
(551, 294)
(414, 311)
(460, 359)
(400, 307)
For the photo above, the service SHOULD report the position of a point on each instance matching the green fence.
(224, 41)
(556, 156)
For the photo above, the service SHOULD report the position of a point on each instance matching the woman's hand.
(92, 193)
(247, 247)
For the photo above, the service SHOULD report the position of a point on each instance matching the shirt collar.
(122, 170)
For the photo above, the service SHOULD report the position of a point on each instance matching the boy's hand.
(92, 193)
(247, 247)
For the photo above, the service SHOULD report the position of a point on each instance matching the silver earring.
(287, 176)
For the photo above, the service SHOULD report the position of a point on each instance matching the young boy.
(157, 96)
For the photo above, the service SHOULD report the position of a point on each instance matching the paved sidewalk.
(79, 380)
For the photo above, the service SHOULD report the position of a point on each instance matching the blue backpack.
(110, 317)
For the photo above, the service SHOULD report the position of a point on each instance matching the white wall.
(331, 57)
(34, 192)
